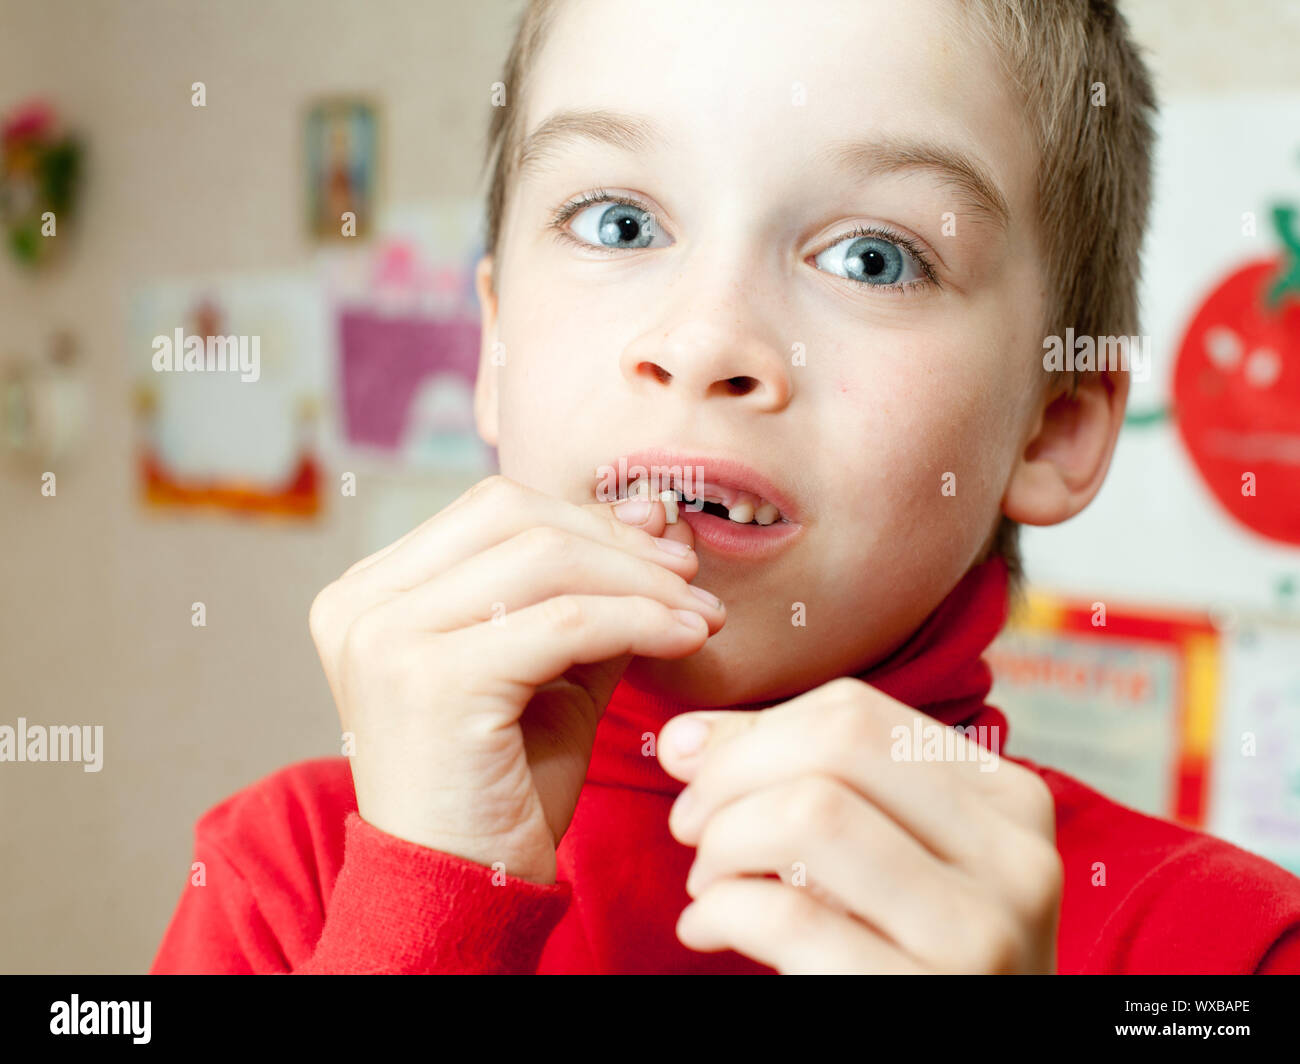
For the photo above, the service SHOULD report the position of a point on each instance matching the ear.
(1065, 460)
(485, 384)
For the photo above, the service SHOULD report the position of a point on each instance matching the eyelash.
(907, 244)
(561, 217)
(566, 211)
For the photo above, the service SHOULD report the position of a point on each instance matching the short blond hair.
(1090, 103)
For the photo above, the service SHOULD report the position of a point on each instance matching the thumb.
(684, 740)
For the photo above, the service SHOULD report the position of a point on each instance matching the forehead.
(749, 91)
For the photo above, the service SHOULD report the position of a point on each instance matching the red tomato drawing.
(1236, 394)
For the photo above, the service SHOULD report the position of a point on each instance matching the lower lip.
(750, 541)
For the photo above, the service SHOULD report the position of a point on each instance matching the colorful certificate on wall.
(1123, 700)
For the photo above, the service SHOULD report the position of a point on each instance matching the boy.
(796, 273)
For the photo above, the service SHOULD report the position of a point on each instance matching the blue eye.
(615, 225)
(874, 260)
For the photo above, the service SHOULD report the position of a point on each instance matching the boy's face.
(611, 347)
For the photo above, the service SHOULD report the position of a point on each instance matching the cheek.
(541, 418)
(924, 422)
(539, 396)
(554, 390)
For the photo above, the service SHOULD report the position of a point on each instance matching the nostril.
(740, 385)
(656, 371)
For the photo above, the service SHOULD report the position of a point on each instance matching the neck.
(937, 671)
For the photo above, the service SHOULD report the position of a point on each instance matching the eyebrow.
(630, 133)
(971, 180)
(637, 134)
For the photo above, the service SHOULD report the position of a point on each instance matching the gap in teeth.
(743, 513)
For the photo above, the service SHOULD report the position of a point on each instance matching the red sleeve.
(396, 907)
(1283, 957)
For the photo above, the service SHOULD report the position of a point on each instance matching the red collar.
(938, 670)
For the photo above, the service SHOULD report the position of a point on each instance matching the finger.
(685, 738)
(851, 740)
(861, 706)
(498, 508)
(534, 645)
(537, 564)
(361, 588)
(787, 929)
(677, 531)
(343, 602)
(817, 832)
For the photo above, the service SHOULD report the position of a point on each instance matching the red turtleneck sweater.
(296, 881)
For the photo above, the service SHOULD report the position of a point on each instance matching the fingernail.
(633, 511)
(687, 736)
(707, 596)
(673, 546)
(691, 619)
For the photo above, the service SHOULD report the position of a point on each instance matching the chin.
(712, 677)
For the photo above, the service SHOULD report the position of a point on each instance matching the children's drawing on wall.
(1236, 390)
(342, 144)
(408, 330)
(1208, 462)
(229, 383)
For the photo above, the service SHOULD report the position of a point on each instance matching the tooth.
(742, 510)
(766, 514)
(640, 489)
(669, 499)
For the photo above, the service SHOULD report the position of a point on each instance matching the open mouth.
(717, 500)
(731, 508)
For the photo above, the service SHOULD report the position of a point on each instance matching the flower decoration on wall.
(40, 167)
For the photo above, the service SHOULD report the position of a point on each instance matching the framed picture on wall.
(342, 167)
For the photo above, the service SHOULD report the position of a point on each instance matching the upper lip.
(718, 470)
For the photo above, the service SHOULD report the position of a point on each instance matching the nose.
(702, 360)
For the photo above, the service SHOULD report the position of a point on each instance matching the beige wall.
(94, 619)
(94, 626)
